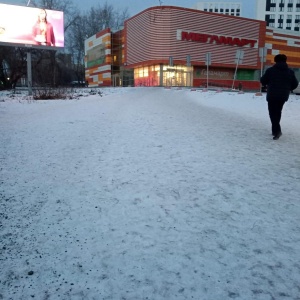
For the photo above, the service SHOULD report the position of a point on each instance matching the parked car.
(78, 84)
(297, 90)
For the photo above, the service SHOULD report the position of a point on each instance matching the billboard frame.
(31, 46)
(19, 38)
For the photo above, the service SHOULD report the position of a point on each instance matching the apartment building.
(225, 8)
(283, 14)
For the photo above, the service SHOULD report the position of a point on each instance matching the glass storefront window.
(171, 76)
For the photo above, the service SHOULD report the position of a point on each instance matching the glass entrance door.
(177, 76)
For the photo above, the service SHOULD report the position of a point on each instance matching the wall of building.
(226, 8)
(283, 41)
(154, 35)
(286, 42)
(98, 59)
(279, 14)
(158, 33)
(223, 77)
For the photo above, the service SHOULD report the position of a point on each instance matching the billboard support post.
(27, 35)
(29, 73)
(238, 60)
(262, 55)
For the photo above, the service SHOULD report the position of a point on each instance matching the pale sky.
(136, 6)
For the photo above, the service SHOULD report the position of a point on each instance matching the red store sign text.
(217, 39)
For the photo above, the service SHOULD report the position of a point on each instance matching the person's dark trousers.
(275, 109)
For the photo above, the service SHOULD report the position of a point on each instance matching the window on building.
(297, 22)
(272, 8)
(290, 9)
(272, 24)
(270, 19)
(273, 1)
(291, 1)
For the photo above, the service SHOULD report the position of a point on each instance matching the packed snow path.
(149, 194)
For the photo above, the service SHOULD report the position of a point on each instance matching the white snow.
(149, 193)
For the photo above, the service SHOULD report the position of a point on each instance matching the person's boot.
(277, 136)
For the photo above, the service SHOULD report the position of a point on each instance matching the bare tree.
(88, 24)
(75, 46)
(12, 65)
(105, 16)
(120, 18)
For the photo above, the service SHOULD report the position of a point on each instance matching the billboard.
(31, 27)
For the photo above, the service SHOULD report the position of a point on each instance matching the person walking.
(280, 81)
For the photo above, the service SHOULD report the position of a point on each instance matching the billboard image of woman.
(40, 27)
(43, 32)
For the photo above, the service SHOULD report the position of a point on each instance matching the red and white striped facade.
(161, 32)
(168, 45)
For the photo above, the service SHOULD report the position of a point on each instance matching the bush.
(48, 93)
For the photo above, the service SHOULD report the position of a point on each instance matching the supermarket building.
(175, 46)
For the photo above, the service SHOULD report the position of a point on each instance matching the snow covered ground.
(149, 193)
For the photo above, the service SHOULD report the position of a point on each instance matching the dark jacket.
(280, 81)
